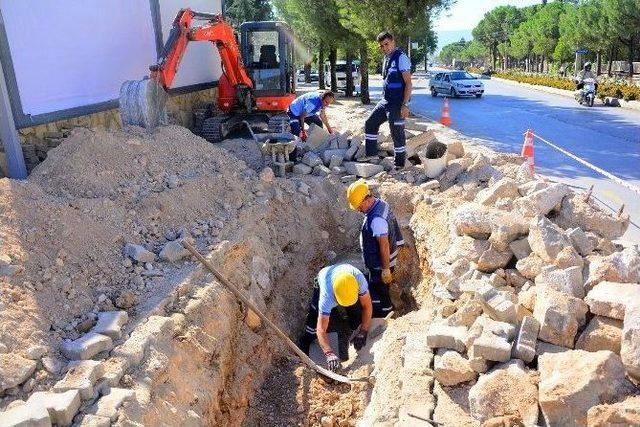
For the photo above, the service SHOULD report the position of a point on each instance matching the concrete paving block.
(311, 159)
(114, 369)
(321, 170)
(86, 346)
(62, 407)
(335, 161)
(492, 347)
(351, 152)
(328, 154)
(302, 169)
(82, 376)
(610, 298)
(497, 306)
(317, 136)
(25, 416)
(444, 336)
(110, 323)
(138, 253)
(630, 349)
(524, 347)
(14, 370)
(364, 170)
(107, 406)
(580, 241)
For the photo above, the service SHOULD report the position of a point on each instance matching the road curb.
(609, 101)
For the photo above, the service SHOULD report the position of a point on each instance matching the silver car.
(456, 83)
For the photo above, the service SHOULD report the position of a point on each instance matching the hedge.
(623, 90)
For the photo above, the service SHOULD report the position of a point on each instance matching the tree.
(624, 16)
(453, 51)
(546, 29)
(495, 29)
(239, 11)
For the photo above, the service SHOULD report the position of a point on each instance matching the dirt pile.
(94, 230)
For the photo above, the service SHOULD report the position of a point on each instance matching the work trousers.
(380, 298)
(294, 122)
(380, 114)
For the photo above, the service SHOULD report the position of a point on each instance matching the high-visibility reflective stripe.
(399, 123)
(294, 121)
(399, 149)
(400, 242)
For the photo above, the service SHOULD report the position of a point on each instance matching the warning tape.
(590, 166)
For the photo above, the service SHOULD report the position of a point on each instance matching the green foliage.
(453, 51)
(239, 11)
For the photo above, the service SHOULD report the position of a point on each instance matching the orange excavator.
(257, 83)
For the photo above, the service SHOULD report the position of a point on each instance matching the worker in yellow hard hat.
(380, 238)
(339, 285)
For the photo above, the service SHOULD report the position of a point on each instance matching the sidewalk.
(631, 105)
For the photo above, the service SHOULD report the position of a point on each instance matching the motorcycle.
(587, 94)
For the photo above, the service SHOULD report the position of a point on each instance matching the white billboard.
(201, 61)
(71, 56)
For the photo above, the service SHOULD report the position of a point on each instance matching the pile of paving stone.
(541, 307)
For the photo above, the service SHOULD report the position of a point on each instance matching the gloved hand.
(387, 277)
(303, 135)
(333, 363)
(329, 129)
(360, 340)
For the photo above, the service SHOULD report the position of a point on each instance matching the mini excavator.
(257, 83)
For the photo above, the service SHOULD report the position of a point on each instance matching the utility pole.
(9, 135)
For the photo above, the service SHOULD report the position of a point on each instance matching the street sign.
(414, 45)
(582, 51)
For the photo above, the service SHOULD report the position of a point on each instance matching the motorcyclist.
(585, 73)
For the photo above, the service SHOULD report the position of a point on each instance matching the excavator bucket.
(142, 103)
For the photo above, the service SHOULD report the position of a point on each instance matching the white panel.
(201, 61)
(70, 53)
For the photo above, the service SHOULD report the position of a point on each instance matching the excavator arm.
(142, 101)
(216, 31)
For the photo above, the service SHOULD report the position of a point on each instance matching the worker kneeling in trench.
(337, 286)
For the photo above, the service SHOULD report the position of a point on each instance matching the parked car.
(313, 76)
(456, 83)
(341, 74)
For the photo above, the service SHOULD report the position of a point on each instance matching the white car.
(341, 74)
(456, 83)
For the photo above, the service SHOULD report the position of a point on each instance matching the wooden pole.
(10, 140)
(242, 297)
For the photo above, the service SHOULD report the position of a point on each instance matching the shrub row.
(619, 89)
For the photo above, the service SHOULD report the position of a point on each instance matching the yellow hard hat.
(345, 288)
(356, 193)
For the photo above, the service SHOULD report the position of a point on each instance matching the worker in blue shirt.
(337, 285)
(380, 239)
(394, 105)
(310, 108)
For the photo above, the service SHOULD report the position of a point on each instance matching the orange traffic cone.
(446, 118)
(527, 150)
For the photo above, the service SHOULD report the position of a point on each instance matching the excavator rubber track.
(142, 103)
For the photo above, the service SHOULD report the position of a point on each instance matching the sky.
(464, 15)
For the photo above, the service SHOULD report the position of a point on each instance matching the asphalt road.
(606, 137)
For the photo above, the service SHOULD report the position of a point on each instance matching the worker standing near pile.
(310, 108)
(394, 105)
(337, 285)
(380, 238)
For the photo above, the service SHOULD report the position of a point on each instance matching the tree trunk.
(599, 60)
(321, 84)
(333, 55)
(307, 72)
(631, 45)
(349, 74)
(364, 74)
(610, 66)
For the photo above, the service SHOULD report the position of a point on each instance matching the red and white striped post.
(527, 150)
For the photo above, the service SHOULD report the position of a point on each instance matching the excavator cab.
(267, 52)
